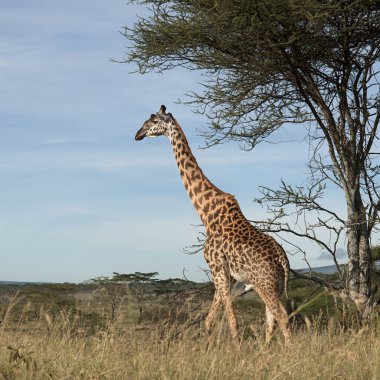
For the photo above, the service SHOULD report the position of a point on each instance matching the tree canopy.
(267, 62)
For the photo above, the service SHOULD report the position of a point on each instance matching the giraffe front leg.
(221, 276)
(222, 284)
(231, 317)
(212, 313)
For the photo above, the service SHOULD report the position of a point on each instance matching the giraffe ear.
(162, 110)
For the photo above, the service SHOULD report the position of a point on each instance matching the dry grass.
(65, 349)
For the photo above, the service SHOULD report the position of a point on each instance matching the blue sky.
(79, 198)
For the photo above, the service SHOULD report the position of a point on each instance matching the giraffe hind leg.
(271, 324)
(277, 315)
(284, 322)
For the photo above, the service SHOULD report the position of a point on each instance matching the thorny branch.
(298, 211)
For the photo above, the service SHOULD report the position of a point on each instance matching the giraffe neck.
(200, 189)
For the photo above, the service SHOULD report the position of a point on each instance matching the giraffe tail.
(286, 267)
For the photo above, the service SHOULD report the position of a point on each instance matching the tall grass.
(64, 347)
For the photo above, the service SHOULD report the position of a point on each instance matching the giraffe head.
(158, 124)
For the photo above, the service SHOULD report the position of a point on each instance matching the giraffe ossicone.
(234, 247)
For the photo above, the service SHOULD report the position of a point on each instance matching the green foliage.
(376, 253)
(33, 298)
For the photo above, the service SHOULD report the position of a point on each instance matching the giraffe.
(233, 248)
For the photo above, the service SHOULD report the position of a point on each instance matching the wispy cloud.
(54, 142)
(35, 161)
(65, 153)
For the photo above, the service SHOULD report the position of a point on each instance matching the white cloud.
(341, 254)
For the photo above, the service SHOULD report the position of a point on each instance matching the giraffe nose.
(140, 134)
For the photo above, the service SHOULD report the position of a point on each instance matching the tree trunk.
(358, 249)
(140, 313)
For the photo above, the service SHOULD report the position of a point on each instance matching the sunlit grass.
(64, 347)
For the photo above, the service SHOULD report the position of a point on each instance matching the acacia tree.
(138, 285)
(121, 286)
(112, 290)
(272, 63)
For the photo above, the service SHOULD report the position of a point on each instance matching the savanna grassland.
(67, 331)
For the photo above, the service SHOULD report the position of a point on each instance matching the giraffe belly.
(239, 276)
(243, 278)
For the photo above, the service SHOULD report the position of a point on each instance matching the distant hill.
(21, 283)
(329, 269)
